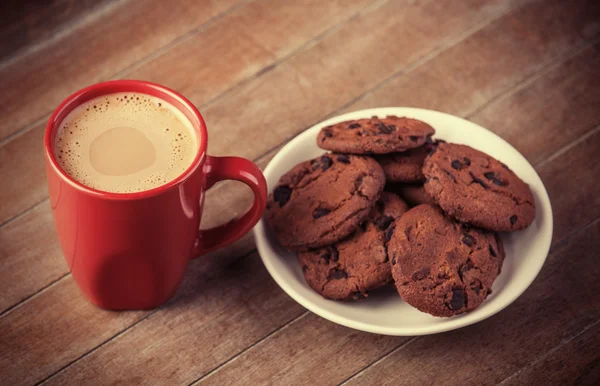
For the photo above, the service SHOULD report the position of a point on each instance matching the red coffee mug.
(130, 250)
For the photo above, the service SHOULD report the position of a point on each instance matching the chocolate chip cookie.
(352, 267)
(473, 187)
(407, 166)
(440, 266)
(375, 135)
(323, 200)
(413, 194)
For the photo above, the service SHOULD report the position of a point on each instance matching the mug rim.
(116, 86)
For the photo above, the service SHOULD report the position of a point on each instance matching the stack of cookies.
(346, 215)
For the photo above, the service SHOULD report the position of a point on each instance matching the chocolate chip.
(337, 274)
(383, 222)
(456, 164)
(304, 268)
(464, 268)
(394, 261)
(320, 212)
(354, 126)
(327, 133)
(315, 164)
(388, 233)
(335, 254)
(491, 176)
(358, 181)
(343, 159)
(326, 256)
(467, 161)
(468, 240)
(478, 181)
(449, 175)
(476, 286)
(282, 194)
(420, 275)
(459, 299)
(326, 163)
(492, 251)
(513, 220)
(363, 226)
(414, 138)
(385, 129)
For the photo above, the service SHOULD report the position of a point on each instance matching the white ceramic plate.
(384, 312)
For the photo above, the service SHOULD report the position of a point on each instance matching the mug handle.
(232, 168)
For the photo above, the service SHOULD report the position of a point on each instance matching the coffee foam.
(168, 130)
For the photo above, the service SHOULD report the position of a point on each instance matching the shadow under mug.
(130, 250)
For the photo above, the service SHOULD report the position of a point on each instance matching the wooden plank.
(22, 163)
(244, 43)
(29, 347)
(35, 83)
(25, 24)
(30, 256)
(491, 61)
(236, 308)
(307, 87)
(576, 361)
(25, 168)
(323, 354)
(23, 153)
(563, 103)
(558, 305)
(569, 213)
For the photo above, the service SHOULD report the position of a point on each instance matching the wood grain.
(30, 256)
(562, 103)
(202, 329)
(24, 24)
(574, 362)
(576, 169)
(22, 163)
(322, 354)
(487, 352)
(491, 61)
(262, 98)
(304, 89)
(244, 44)
(35, 83)
(29, 346)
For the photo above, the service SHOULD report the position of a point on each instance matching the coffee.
(125, 142)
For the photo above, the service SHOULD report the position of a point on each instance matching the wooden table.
(261, 72)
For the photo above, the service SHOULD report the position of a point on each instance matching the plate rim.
(453, 323)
